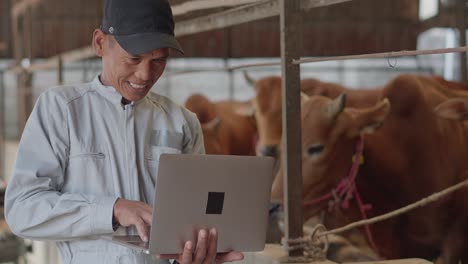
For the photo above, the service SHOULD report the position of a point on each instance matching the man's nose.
(144, 71)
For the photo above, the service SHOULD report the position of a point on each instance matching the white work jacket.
(81, 149)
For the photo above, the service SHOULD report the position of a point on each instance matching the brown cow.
(224, 131)
(266, 105)
(409, 153)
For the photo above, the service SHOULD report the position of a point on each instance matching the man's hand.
(134, 213)
(205, 253)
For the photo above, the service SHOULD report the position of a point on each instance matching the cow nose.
(268, 151)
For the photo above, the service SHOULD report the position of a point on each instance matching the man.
(88, 157)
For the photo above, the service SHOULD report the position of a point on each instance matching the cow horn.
(304, 97)
(249, 79)
(335, 107)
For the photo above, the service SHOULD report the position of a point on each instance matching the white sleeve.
(35, 207)
(193, 135)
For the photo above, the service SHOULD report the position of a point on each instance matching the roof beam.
(259, 10)
(240, 15)
(66, 57)
(190, 6)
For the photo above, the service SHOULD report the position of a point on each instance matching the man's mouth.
(137, 86)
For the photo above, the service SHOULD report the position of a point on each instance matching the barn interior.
(46, 43)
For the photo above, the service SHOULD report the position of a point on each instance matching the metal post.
(228, 38)
(460, 16)
(6, 28)
(2, 127)
(60, 71)
(291, 27)
(18, 40)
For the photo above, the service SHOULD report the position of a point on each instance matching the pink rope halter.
(346, 189)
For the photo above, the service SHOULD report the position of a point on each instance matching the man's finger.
(202, 243)
(186, 257)
(229, 257)
(212, 248)
(142, 230)
(147, 218)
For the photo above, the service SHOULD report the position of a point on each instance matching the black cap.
(140, 26)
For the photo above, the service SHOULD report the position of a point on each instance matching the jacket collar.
(110, 93)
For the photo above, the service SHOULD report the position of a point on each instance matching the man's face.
(131, 75)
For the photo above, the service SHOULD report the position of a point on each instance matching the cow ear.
(245, 110)
(456, 108)
(304, 98)
(368, 120)
(213, 124)
(335, 107)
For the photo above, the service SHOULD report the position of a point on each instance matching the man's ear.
(456, 108)
(99, 39)
(368, 120)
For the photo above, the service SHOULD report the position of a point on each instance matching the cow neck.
(346, 190)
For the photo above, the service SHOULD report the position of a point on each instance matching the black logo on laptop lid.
(215, 203)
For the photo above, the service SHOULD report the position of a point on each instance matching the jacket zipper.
(99, 155)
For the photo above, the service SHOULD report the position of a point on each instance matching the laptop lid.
(229, 193)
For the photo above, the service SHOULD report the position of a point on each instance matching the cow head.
(329, 134)
(267, 109)
(456, 108)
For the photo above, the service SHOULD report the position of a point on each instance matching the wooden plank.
(228, 18)
(291, 30)
(244, 14)
(308, 4)
(190, 6)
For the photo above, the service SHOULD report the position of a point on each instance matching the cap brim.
(145, 42)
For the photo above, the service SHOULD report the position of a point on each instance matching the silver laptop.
(229, 193)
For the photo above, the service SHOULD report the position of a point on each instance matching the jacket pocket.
(89, 172)
(152, 156)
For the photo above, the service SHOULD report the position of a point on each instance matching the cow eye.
(315, 149)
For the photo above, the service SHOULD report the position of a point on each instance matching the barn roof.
(50, 27)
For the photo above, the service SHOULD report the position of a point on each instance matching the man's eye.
(158, 61)
(134, 59)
